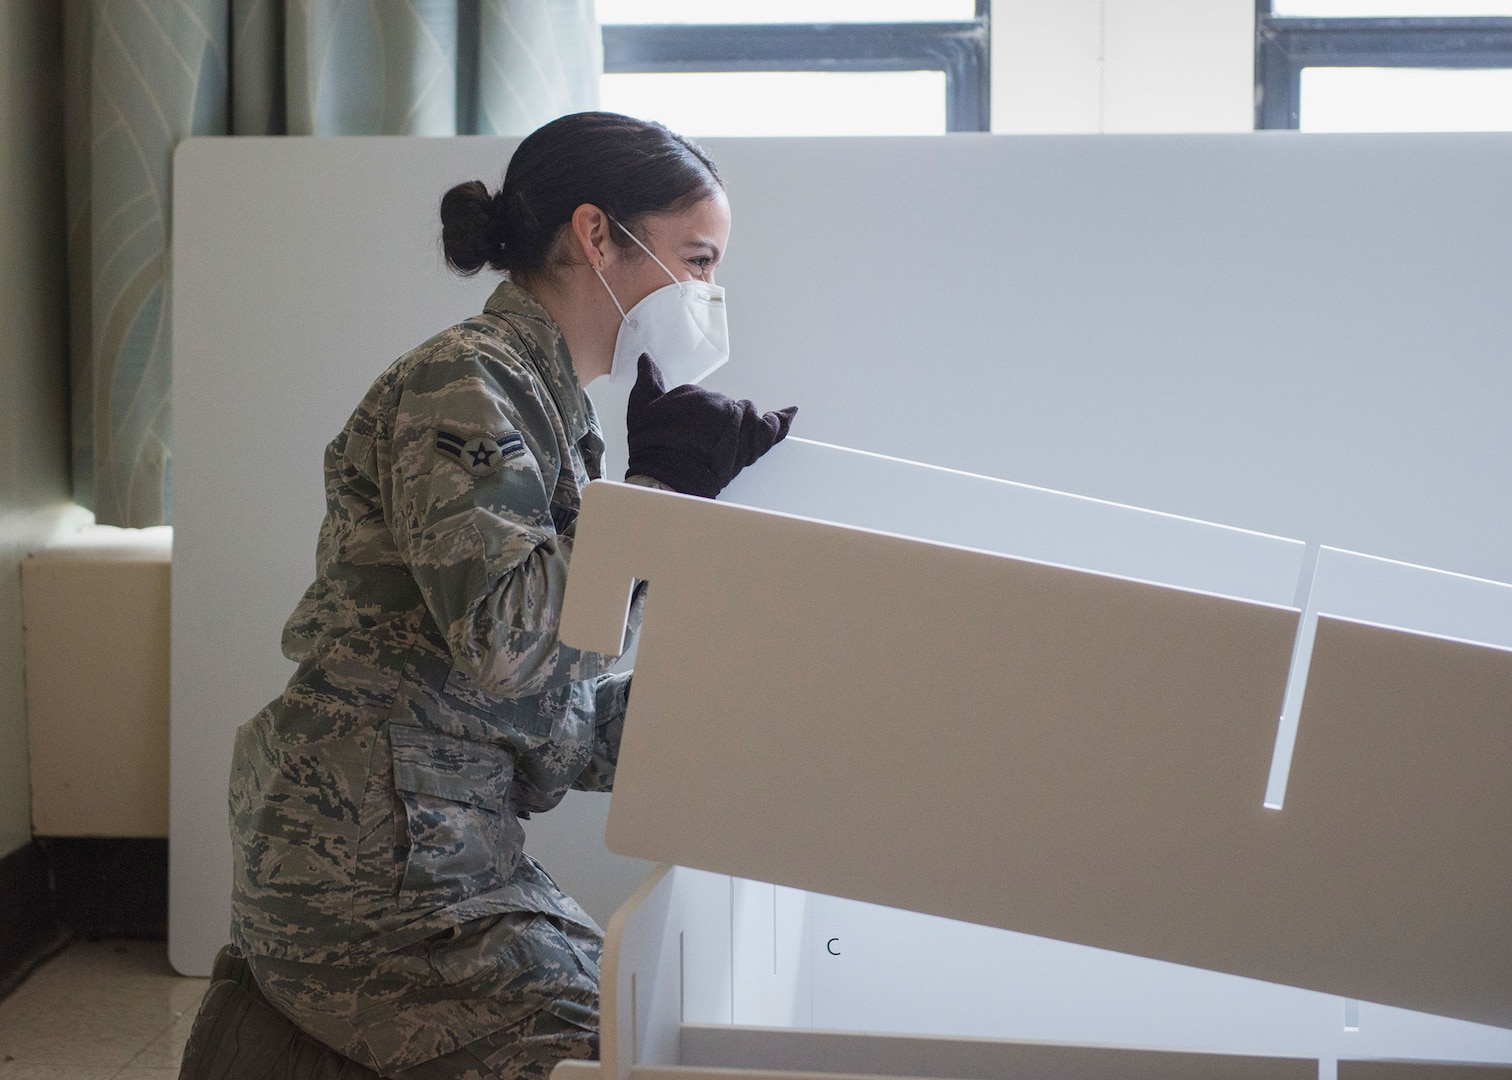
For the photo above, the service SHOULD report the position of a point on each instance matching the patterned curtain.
(143, 74)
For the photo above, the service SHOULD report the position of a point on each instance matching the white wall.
(1087, 66)
(34, 485)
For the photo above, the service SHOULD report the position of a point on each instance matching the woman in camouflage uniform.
(381, 898)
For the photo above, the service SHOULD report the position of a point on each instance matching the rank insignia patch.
(481, 455)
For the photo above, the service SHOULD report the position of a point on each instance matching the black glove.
(694, 440)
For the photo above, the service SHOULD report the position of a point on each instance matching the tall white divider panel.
(1299, 336)
(301, 269)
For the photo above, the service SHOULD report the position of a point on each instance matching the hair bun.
(470, 233)
(623, 166)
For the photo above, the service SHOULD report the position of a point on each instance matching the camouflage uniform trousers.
(528, 1050)
(533, 974)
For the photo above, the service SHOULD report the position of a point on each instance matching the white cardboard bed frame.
(1045, 749)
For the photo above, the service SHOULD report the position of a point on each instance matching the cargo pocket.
(464, 838)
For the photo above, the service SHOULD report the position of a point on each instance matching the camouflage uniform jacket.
(374, 804)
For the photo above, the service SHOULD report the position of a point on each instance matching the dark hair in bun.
(468, 233)
(625, 167)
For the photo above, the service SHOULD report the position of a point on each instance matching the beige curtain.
(143, 74)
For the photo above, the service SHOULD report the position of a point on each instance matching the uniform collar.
(548, 352)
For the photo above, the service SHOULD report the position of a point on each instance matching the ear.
(590, 232)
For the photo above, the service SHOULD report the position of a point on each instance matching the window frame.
(962, 50)
(1284, 45)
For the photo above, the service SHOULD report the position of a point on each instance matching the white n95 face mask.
(681, 326)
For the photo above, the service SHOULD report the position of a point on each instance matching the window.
(1381, 65)
(772, 67)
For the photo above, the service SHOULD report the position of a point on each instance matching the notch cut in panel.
(1296, 682)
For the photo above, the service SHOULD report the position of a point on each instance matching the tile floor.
(101, 1010)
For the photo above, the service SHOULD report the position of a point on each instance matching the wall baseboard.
(29, 927)
(58, 888)
(109, 887)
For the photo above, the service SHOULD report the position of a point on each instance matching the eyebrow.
(711, 246)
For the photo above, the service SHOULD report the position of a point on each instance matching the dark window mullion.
(1287, 45)
(960, 50)
(784, 47)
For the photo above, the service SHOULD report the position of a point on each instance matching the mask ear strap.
(648, 251)
(610, 291)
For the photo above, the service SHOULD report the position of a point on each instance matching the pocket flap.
(446, 767)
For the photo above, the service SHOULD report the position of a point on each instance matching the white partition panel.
(299, 274)
(1298, 336)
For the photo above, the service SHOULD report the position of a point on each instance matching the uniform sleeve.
(611, 696)
(610, 699)
(475, 458)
